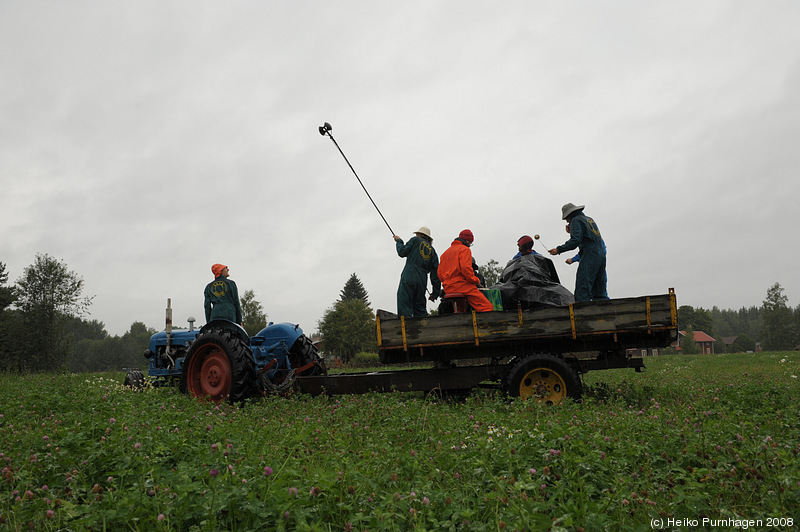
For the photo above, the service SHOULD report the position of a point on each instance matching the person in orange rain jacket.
(456, 273)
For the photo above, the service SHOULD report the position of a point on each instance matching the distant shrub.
(365, 359)
(359, 360)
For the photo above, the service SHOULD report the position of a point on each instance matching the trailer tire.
(543, 377)
(219, 366)
(302, 353)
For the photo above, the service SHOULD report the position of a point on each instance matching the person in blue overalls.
(577, 258)
(590, 280)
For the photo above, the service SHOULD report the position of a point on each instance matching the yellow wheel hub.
(543, 385)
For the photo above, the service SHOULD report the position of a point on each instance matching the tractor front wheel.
(134, 379)
(544, 378)
(219, 366)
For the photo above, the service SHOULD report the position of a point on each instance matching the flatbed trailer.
(538, 353)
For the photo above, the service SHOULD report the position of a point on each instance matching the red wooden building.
(704, 341)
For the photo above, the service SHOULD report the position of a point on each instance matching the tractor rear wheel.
(219, 366)
(544, 378)
(304, 352)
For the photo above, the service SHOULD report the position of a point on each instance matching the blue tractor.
(220, 362)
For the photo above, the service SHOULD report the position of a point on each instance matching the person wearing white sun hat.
(590, 279)
(421, 261)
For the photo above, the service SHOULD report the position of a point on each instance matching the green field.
(692, 438)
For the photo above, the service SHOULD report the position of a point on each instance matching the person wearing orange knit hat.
(222, 297)
(457, 275)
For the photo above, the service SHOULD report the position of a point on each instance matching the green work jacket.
(222, 300)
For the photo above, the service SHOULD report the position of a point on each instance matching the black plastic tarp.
(532, 281)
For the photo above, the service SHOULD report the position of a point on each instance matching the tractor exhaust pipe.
(168, 324)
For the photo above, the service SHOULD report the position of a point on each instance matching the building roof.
(699, 336)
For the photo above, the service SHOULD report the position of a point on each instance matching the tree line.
(43, 325)
(774, 326)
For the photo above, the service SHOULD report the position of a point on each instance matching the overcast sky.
(141, 142)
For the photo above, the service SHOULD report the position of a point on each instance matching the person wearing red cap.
(525, 247)
(456, 273)
(222, 297)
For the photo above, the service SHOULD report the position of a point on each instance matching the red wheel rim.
(209, 374)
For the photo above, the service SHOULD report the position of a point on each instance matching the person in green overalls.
(222, 297)
(421, 261)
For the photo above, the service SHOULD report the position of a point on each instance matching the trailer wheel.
(219, 366)
(134, 379)
(304, 352)
(543, 377)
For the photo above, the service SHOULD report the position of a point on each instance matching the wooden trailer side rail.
(639, 316)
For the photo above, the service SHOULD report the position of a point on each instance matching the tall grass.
(692, 437)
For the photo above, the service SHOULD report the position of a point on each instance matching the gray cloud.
(143, 142)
